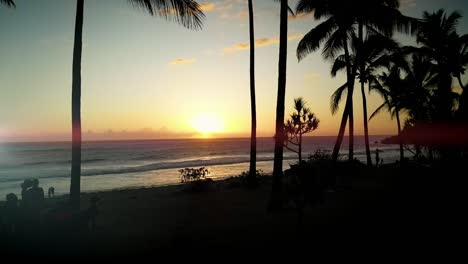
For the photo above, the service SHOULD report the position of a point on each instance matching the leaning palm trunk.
(402, 156)
(275, 201)
(366, 127)
(253, 133)
(351, 73)
(348, 111)
(76, 108)
(341, 131)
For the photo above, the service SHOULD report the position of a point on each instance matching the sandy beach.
(374, 206)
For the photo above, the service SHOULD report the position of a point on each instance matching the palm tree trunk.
(366, 125)
(76, 108)
(402, 157)
(253, 133)
(350, 77)
(275, 201)
(363, 92)
(341, 131)
(300, 148)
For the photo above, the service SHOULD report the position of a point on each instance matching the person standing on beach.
(377, 158)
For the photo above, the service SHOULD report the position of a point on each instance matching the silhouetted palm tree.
(372, 55)
(276, 199)
(253, 134)
(378, 16)
(438, 37)
(185, 12)
(8, 3)
(393, 88)
(458, 61)
(335, 32)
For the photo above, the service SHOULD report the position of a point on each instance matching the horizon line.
(155, 139)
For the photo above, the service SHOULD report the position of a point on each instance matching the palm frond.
(377, 111)
(312, 40)
(336, 98)
(185, 12)
(338, 65)
(8, 3)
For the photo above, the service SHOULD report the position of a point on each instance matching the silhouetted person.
(25, 186)
(51, 192)
(33, 201)
(377, 158)
(11, 213)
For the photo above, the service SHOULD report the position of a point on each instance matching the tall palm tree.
(185, 12)
(253, 134)
(458, 61)
(393, 88)
(378, 16)
(408, 86)
(372, 54)
(335, 31)
(437, 34)
(8, 3)
(275, 200)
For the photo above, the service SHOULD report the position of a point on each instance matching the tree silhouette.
(393, 88)
(8, 3)
(302, 121)
(185, 12)
(275, 200)
(439, 41)
(373, 54)
(251, 180)
(335, 32)
(378, 16)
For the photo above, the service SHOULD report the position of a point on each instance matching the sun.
(206, 123)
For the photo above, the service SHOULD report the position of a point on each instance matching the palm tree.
(185, 12)
(253, 134)
(378, 16)
(335, 32)
(275, 200)
(408, 86)
(393, 88)
(372, 55)
(8, 3)
(438, 37)
(459, 60)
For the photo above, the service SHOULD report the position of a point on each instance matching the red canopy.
(432, 134)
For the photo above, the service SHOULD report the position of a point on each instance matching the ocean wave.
(157, 166)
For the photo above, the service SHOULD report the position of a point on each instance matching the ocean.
(142, 163)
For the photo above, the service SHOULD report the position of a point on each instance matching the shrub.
(320, 155)
(192, 174)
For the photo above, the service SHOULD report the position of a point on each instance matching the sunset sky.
(144, 77)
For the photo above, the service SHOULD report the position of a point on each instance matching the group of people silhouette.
(30, 214)
(24, 216)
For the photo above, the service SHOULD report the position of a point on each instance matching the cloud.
(312, 75)
(407, 3)
(300, 16)
(295, 37)
(182, 61)
(207, 7)
(262, 42)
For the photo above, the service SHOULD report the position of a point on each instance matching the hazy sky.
(146, 77)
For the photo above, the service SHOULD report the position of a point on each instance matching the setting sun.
(208, 123)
